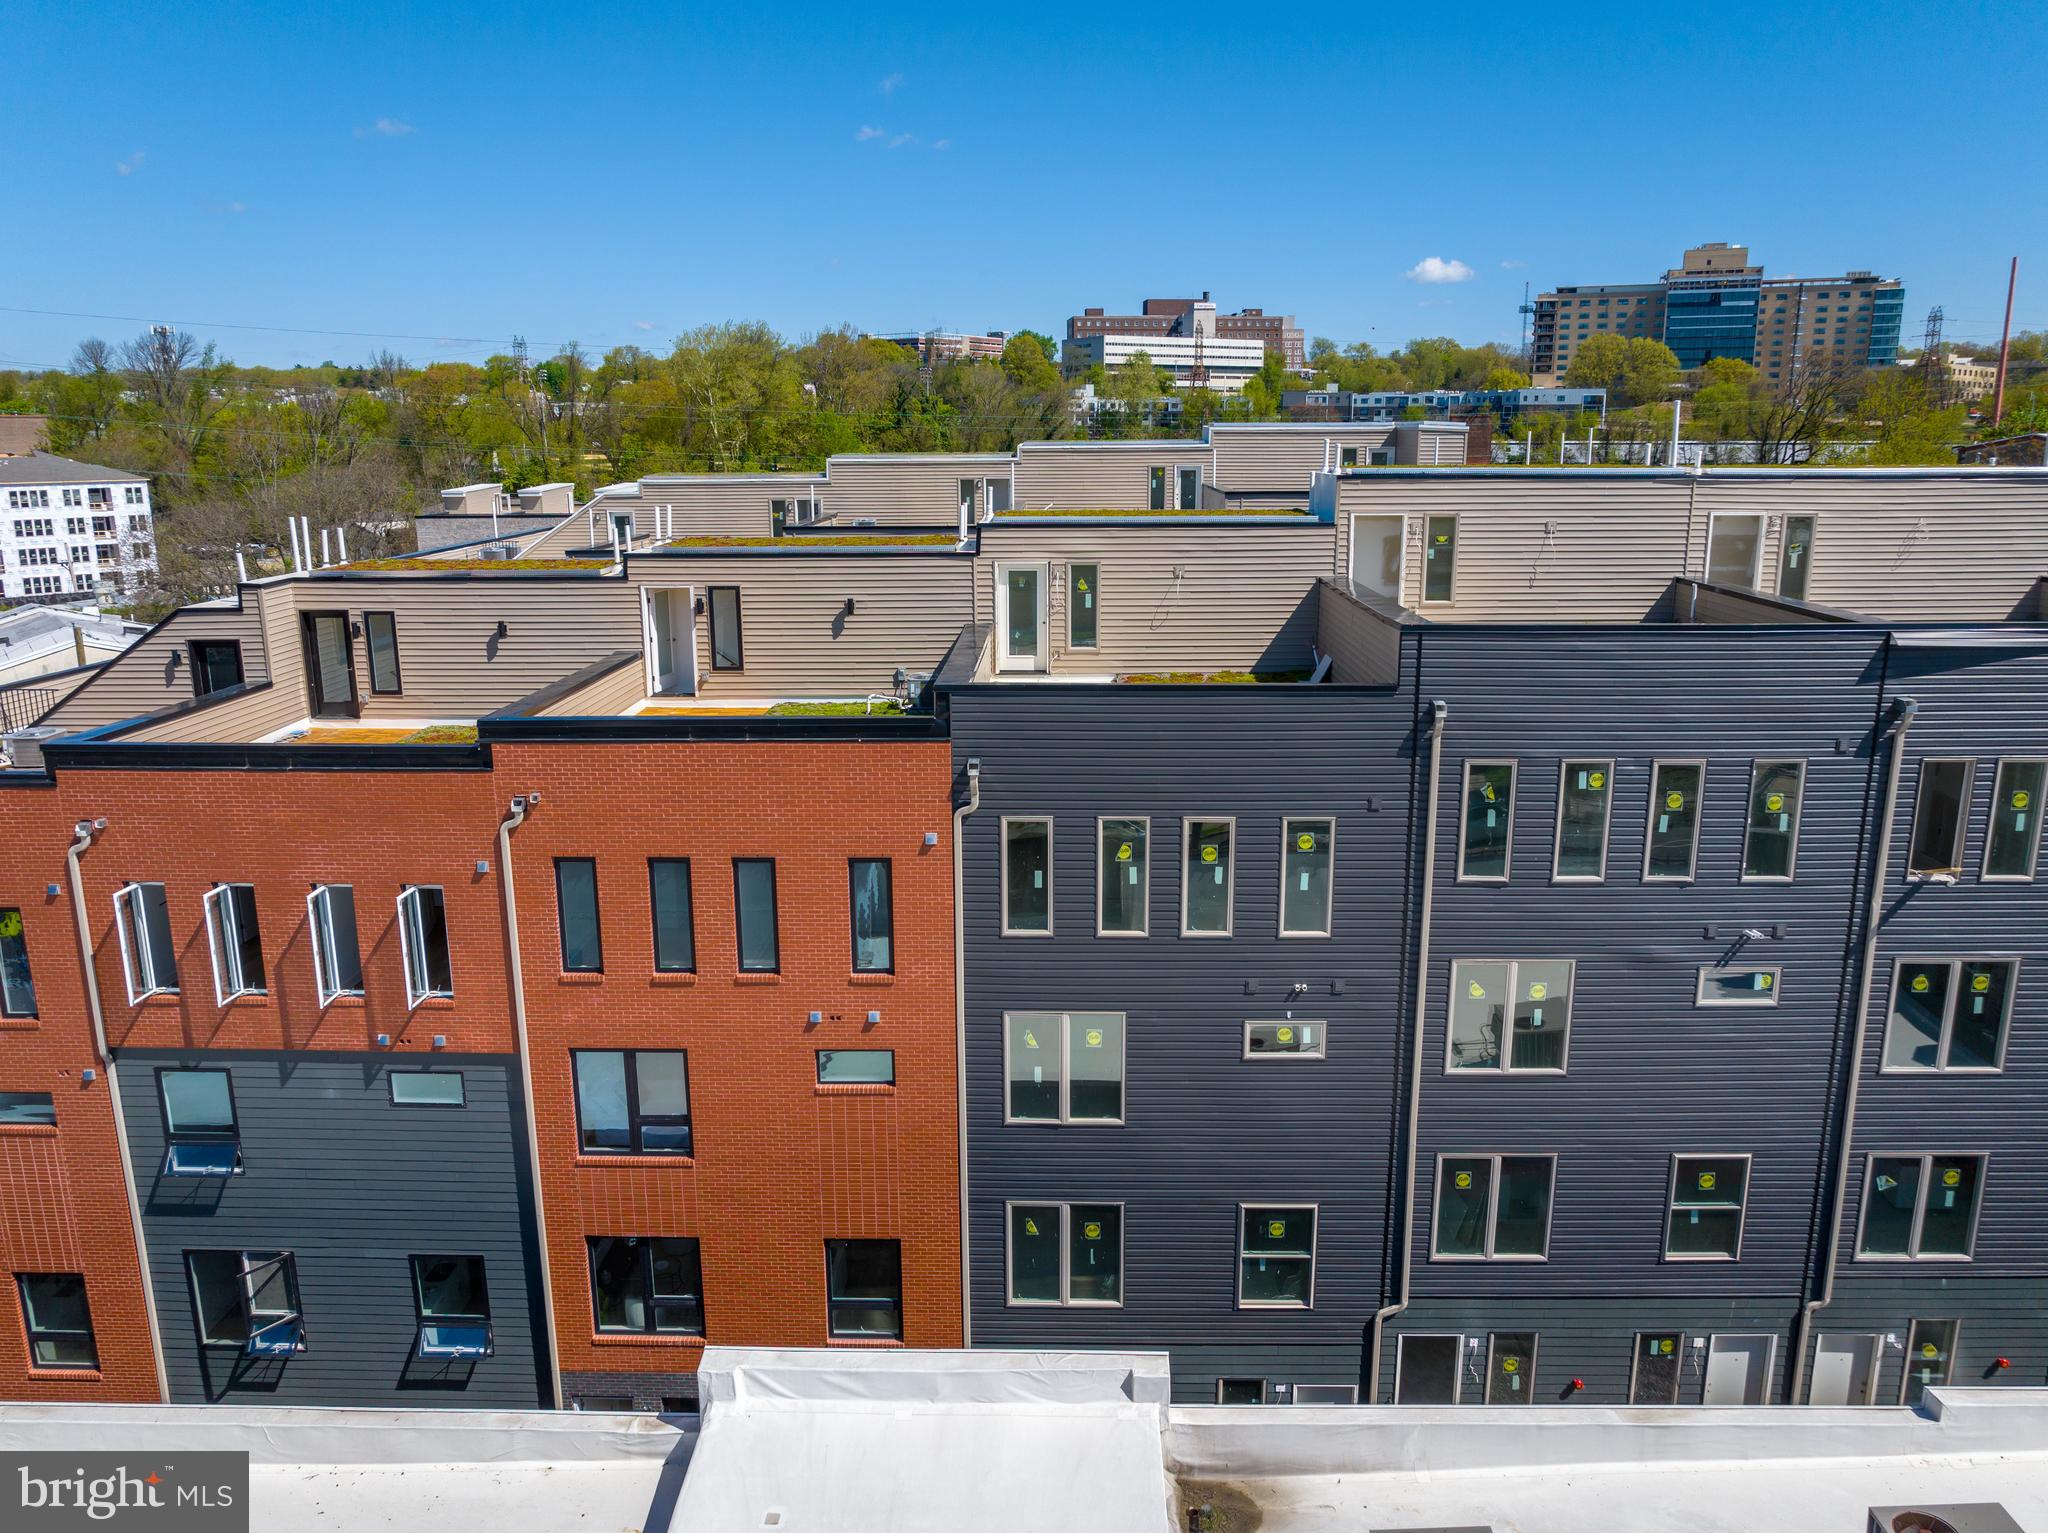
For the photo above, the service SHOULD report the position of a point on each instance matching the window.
(248, 1300)
(146, 957)
(1493, 1207)
(1653, 1380)
(1940, 815)
(1439, 557)
(1930, 1357)
(58, 1320)
(236, 943)
(380, 629)
(1706, 1207)
(2014, 842)
(1276, 1257)
(753, 882)
(1510, 1367)
(1428, 1370)
(337, 962)
(874, 939)
(1585, 804)
(1157, 500)
(856, 1067)
(652, 1285)
(1066, 1253)
(1284, 1040)
(20, 1109)
(1487, 834)
(1027, 878)
(675, 929)
(1949, 1013)
(1240, 1391)
(1206, 887)
(632, 1102)
(1081, 611)
(216, 666)
(576, 915)
(1064, 1067)
(1541, 990)
(1920, 1207)
(727, 651)
(454, 1307)
(1673, 845)
(426, 1088)
(864, 1289)
(423, 933)
(1123, 883)
(1306, 847)
(200, 1132)
(1770, 844)
(17, 986)
(1795, 559)
(1737, 987)
(1733, 546)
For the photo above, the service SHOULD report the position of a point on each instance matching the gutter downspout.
(1902, 720)
(85, 830)
(960, 814)
(514, 818)
(1438, 712)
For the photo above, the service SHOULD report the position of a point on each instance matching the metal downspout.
(1902, 721)
(514, 818)
(85, 830)
(960, 814)
(1438, 712)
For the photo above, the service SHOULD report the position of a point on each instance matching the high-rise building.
(1716, 303)
(1190, 317)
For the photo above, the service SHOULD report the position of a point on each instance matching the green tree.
(1028, 364)
(1910, 424)
(1499, 378)
(1598, 363)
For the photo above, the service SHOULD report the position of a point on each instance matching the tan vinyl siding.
(142, 678)
(704, 505)
(247, 717)
(1435, 447)
(1697, 603)
(609, 694)
(1364, 648)
(1100, 476)
(1281, 457)
(796, 638)
(1244, 598)
(572, 534)
(907, 491)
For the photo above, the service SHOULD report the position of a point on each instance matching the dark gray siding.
(353, 1186)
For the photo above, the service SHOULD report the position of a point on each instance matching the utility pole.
(1933, 364)
(1528, 309)
(2005, 345)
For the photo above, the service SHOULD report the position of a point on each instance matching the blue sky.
(616, 173)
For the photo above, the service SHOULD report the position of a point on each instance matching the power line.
(214, 324)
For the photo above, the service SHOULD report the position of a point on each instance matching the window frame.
(739, 631)
(1180, 486)
(888, 867)
(192, 662)
(32, 1331)
(1692, 872)
(1319, 1052)
(1492, 1347)
(1564, 770)
(562, 918)
(637, 1121)
(1926, 1158)
(1095, 575)
(739, 940)
(1492, 1205)
(174, 1136)
(1066, 1116)
(1513, 764)
(1672, 1210)
(654, 909)
(455, 1351)
(1265, 1389)
(1955, 1345)
(818, 1059)
(461, 1101)
(322, 928)
(643, 1249)
(1507, 1042)
(1953, 872)
(1955, 962)
(1457, 1367)
(1187, 837)
(1315, 1239)
(833, 1300)
(287, 1262)
(8, 1008)
(397, 687)
(1756, 766)
(222, 907)
(1635, 1363)
(1998, 792)
(1329, 926)
(1756, 561)
(1428, 551)
(1003, 874)
(138, 947)
(1102, 822)
(412, 942)
(1708, 970)
(1066, 1258)
(1785, 544)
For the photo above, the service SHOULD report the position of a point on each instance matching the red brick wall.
(781, 1164)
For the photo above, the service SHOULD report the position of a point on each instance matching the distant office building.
(1439, 404)
(1188, 317)
(1715, 303)
(72, 527)
(934, 346)
(1194, 361)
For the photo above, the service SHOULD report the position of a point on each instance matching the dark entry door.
(330, 666)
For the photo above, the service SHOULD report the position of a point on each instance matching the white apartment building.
(69, 527)
(1207, 361)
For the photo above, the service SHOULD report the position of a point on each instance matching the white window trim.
(1784, 540)
(1320, 1051)
(1315, 1236)
(1003, 874)
(1066, 1025)
(1464, 808)
(1635, 1363)
(1457, 1373)
(1564, 770)
(1145, 882)
(1709, 970)
(224, 944)
(1507, 1042)
(1749, 824)
(1763, 531)
(1074, 646)
(134, 935)
(1947, 875)
(1535, 1354)
(1699, 817)
(1329, 926)
(1926, 1159)
(1187, 841)
(1955, 1345)
(1948, 1014)
(1770, 1369)
(1493, 1203)
(412, 942)
(1422, 596)
(1066, 1299)
(320, 921)
(1741, 1209)
(1265, 1386)
(1998, 791)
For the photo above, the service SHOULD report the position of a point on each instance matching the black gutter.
(212, 756)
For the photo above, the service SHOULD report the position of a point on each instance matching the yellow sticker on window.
(1123, 852)
(1597, 779)
(10, 923)
(1030, 1039)
(1094, 1037)
(1486, 792)
(1538, 991)
(1919, 984)
(1774, 802)
(1476, 990)
(1929, 1349)
(1951, 1177)
(1285, 1035)
(1674, 800)
(1091, 1230)
(1664, 1345)
(1275, 1228)
(1463, 1179)
(1977, 981)
(1510, 1365)
(1305, 842)
(1443, 537)
(1031, 1226)
(2021, 798)
(1708, 1181)
(1208, 854)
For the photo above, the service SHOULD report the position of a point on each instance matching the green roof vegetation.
(822, 540)
(442, 734)
(445, 566)
(1273, 511)
(888, 707)
(1212, 678)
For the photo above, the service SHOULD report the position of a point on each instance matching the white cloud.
(902, 139)
(944, 143)
(129, 166)
(643, 324)
(1512, 265)
(870, 134)
(1437, 269)
(888, 83)
(227, 207)
(868, 131)
(387, 127)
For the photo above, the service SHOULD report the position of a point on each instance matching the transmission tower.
(1528, 310)
(1934, 369)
